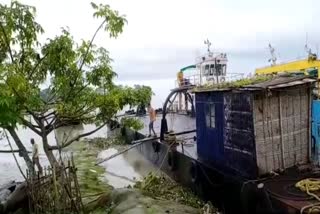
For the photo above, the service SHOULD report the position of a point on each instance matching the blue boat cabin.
(255, 129)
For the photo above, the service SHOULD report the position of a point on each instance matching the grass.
(160, 187)
(89, 174)
(235, 84)
(94, 190)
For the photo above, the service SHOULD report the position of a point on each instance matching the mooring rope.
(310, 185)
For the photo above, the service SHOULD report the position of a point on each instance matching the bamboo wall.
(282, 128)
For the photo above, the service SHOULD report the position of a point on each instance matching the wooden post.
(55, 193)
(78, 193)
(180, 102)
(263, 128)
(309, 120)
(186, 101)
(270, 131)
(281, 136)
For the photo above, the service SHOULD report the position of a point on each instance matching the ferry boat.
(247, 147)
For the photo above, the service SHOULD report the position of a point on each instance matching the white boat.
(210, 68)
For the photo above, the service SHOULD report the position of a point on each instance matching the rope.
(310, 185)
(159, 168)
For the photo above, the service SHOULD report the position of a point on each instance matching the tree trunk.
(50, 156)
(23, 152)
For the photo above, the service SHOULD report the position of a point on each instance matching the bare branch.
(86, 54)
(90, 44)
(82, 114)
(77, 138)
(36, 66)
(30, 126)
(49, 114)
(11, 151)
(51, 126)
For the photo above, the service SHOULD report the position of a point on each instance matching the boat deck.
(284, 196)
(178, 123)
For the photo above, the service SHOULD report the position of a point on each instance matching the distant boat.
(210, 68)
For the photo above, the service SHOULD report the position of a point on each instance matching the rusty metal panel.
(239, 148)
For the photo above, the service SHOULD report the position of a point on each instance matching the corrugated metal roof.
(278, 82)
(281, 82)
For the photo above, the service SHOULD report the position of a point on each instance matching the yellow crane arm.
(299, 65)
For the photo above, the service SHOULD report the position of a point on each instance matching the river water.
(121, 171)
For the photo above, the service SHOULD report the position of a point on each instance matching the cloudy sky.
(164, 35)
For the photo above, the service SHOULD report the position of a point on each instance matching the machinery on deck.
(309, 66)
(210, 68)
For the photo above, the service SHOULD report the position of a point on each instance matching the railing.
(197, 80)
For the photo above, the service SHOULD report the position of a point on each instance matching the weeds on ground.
(161, 187)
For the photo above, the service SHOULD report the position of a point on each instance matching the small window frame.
(210, 116)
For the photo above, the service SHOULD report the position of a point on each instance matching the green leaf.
(93, 5)
(79, 77)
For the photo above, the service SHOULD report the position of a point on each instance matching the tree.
(75, 72)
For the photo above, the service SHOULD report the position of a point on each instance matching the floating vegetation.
(235, 84)
(105, 143)
(89, 174)
(132, 123)
(95, 192)
(160, 187)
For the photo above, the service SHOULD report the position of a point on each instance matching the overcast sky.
(164, 35)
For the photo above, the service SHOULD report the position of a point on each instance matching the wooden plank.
(280, 132)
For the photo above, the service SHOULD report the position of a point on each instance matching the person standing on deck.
(152, 115)
(35, 155)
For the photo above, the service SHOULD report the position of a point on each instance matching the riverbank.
(149, 194)
(119, 185)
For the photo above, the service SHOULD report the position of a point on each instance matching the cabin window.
(211, 116)
(206, 70)
(219, 70)
(212, 71)
(224, 69)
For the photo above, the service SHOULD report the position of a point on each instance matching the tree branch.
(36, 66)
(87, 52)
(90, 44)
(77, 138)
(45, 116)
(30, 126)
(7, 41)
(11, 151)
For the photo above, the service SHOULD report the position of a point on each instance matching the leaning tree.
(73, 71)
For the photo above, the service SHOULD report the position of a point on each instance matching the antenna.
(208, 43)
(311, 56)
(306, 47)
(273, 58)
